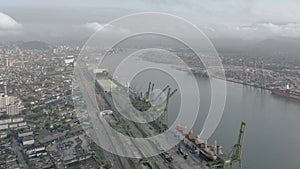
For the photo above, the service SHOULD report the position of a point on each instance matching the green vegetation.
(38, 110)
(107, 165)
(12, 135)
(69, 92)
(43, 133)
(29, 99)
(33, 116)
(55, 114)
(27, 105)
(47, 125)
(99, 152)
(68, 127)
(90, 163)
(4, 116)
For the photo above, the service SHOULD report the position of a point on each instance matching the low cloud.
(95, 26)
(266, 30)
(253, 31)
(8, 26)
(7, 23)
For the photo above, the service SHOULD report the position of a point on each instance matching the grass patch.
(98, 151)
(43, 133)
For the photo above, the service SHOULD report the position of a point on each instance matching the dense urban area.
(38, 123)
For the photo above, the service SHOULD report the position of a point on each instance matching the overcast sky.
(61, 19)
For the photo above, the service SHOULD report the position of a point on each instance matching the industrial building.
(106, 85)
(29, 140)
(69, 60)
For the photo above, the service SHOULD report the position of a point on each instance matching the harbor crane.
(236, 155)
(143, 103)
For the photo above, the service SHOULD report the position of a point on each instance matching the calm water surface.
(272, 138)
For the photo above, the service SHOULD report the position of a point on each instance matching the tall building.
(5, 89)
(7, 64)
(6, 100)
(2, 103)
(8, 104)
(55, 50)
(12, 109)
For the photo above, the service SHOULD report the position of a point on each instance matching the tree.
(108, 165)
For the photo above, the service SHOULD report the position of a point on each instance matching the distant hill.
(33, 45)
(286, 46)
(229, 45)
(279, 45)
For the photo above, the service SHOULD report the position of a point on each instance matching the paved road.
(192, 162)
(118, 163)
(20, 156)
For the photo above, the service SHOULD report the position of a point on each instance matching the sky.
(63, 19)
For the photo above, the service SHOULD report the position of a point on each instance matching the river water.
(272, 123)
(272, 139)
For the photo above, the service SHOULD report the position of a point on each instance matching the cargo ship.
(208, 152)
(202, 148)
(287, 93)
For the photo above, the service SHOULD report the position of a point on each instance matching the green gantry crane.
(236, 154)
(142, 103)
(163, 119)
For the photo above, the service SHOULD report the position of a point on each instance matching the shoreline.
(203, 75)
(250, 85)
(236, 82)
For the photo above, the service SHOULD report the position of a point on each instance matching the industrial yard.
(184, 155)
